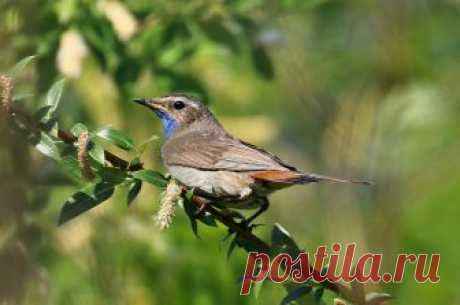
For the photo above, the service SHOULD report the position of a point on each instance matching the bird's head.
(175, 111)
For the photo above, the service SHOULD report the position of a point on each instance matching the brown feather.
(293, 177)
(212, 149)
(277, 176)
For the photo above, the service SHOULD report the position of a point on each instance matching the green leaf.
(248, 245)
(208, 220)
(232, 247)
(96, 151)
(318, 293)
(13, 72)
(134, 188)
(78, 128)
(116, 137)
(112, 174)
(189, 194)
(135, 162)
(41, 113)
(374, 298)
(71, 168)
(84, 200)
(190, 210)
(47, 146)
(69, 163)
(283, 242)
(151, 177)
(54, 96)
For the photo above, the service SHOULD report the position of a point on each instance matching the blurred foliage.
(340, 87)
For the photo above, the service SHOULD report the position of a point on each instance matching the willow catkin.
(168, 204)
(6, 84)
(83, 159)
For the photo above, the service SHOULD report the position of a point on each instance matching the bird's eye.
(178, 105)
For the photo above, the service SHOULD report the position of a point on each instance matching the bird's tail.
(294, 177)
(308, 178)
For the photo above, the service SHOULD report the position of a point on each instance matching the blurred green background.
(346, 88)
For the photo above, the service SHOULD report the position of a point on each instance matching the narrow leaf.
(151, 177)
(208, 220)
(374, 298)
(41, 113)
(54, 96)
(134, 189)
(282, 241)
(19, 67)
(116, 137)
(96, 151)
(112, 174)
(84, 200)
(231, 247)
(248, 245)
(78, 128)
(318, 293)
(190, 210)
(71, 168)
(47, 146)
(69, 162)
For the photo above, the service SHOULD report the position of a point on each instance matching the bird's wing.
(214, 151)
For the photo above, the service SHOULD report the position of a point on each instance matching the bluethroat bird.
(200, 154)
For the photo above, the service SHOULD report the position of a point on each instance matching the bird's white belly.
(214, 183)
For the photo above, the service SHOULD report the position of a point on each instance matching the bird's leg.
(259, 212)
(200, 210)
(203, 203)
(246, 223)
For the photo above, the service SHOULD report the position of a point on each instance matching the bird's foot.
(246, 225)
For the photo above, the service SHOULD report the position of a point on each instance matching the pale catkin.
(168, 203)
(6, 84)
(83, 159)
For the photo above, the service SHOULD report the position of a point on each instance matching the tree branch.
(201, 203)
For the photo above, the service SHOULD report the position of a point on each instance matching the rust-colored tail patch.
(292, 177)
(288, 177)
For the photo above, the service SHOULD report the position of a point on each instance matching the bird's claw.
(245, 225)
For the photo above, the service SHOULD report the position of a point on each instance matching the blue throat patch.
(169, 123)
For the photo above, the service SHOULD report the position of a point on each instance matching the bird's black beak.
(141, 100)
(153, 104)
